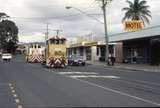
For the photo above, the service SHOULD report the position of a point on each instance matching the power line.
(90, 5)
(54, 17)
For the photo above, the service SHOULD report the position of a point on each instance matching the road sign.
(133, 25)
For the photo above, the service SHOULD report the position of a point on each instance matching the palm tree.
(3, 16)
(137, 10)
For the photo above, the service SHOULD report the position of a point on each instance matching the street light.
(68, 7)
(104, 3)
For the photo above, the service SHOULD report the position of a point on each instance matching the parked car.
(6, 56)
(76, 60)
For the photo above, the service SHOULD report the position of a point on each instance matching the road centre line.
(112, 90)
(121, 80)
(147, 82)
(12, 88)
(128, 69)
(103, 77)
(93, 76)
(119, 69)
(64, 73)
(119, 92)
(15, 95)
(13, 91)
(96, 76)
(109, 89)
(20, 106)
(17, 100)
(10, 84)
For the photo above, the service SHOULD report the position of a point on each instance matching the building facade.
(142, 46)
(91, 50)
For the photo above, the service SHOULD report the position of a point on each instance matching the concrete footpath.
(134, 67)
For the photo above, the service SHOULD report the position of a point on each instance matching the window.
(56, 41)
(81, 51)
(74, 50)
(61, 42)
(52, 41)
(97, 51)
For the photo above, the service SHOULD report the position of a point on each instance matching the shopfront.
(142, 46)
(136, 51)
(91, 51)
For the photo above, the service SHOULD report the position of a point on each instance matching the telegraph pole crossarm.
(57, 31)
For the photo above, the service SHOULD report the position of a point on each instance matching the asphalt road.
(31, 85)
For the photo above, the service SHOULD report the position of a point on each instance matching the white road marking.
(129, 69)
(116, 91)
(120, 70)
(65, 73)
(93, 76)
(12, 88)
(147, 82)
(10, 84)
(149, 87)
(13, 91)
(15, 95)
(17, 100)
(119, 92)
(20, 106)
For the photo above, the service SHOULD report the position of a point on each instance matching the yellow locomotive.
(35, 53)
(56, 53)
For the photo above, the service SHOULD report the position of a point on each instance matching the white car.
(6, 57)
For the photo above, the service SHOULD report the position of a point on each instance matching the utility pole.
(104, 3)
(47, 32)
(57, 31)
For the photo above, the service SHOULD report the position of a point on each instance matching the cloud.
(31, 17)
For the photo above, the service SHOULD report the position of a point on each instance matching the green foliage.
(3, 16)
(8, 35)
(137, 10)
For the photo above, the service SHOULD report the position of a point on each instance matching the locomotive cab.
(56, 52)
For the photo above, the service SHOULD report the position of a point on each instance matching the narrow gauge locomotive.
(55, 53)
(35, 53)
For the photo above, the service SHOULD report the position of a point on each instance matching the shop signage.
(133, 25)
(90, 44)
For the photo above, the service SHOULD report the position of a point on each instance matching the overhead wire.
(48, 18)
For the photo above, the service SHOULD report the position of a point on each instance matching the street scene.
(79, 54)
(94, 86)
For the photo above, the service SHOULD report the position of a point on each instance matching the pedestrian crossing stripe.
(93, 76)
(68, 73)
(87, 75)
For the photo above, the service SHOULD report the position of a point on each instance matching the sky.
(32, 16)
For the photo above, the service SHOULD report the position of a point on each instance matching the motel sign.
(133, 25)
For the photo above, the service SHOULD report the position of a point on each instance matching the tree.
(3, 16)
(8, 36)
(137, 10)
